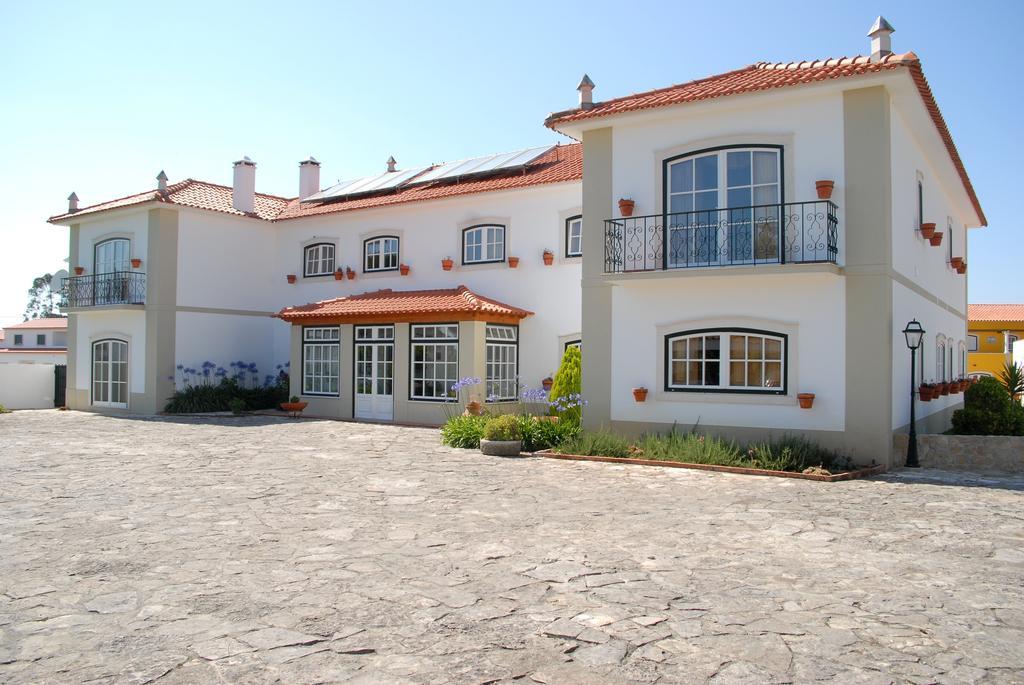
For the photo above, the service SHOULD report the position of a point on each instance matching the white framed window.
(578, 344)
(574, 236)
(726, 360)
(434, 350)
(972, 343)
(502, 363)
(319, 260)
(940, 359)
(483, 244)
(321, 360)
(110, 373)
(380, 254)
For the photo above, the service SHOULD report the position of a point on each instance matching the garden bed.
(852, 474)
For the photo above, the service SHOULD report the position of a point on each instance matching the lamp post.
(914, 335)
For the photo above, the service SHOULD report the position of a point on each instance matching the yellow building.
(991, 331)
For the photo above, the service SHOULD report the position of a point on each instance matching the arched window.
(319, 260)
(940, 358)
(110, 373)
(483, 244)
(726, 360)
(380, 254)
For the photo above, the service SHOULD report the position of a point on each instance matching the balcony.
(792, 232)
(102, 290)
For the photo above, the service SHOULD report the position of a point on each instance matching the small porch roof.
(405, 306)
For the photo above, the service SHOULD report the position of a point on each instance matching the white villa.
(725, 286)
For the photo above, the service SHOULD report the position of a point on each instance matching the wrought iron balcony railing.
(801, 232)
(98, 290)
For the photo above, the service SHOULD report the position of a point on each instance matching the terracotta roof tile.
(52, 322)
(187, 193)
(388, 305)
(769, 76)
(562, 163)
(995, 312)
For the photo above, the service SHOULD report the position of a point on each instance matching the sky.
(98, 97)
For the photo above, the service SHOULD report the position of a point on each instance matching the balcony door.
(110, 374)
(111, 260)
(723, 206)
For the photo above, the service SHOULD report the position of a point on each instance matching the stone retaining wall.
(964, 452)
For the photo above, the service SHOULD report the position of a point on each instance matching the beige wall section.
(869, 367)
(161, 303)
(597, 295)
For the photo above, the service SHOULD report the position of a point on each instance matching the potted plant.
(963, 269)
(339, 275)
(79, 270)
(447, 263)
(291, 278)
(403, 269)
(640, 394)
(927, 230)
(136, 262)
(806, 399)
(473, 408)
(944, 388)
(925, 390)
(502, 437)
(294, 406)
(513, 262)
(824, 189)
(547, 383)
(955, 262)
(350, 273)
(936, 239)
(626, 206)
(549, 257)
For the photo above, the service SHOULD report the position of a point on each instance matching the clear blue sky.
(99, 97)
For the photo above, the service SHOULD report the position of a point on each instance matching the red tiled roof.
(768, 76)
(995, 312)
(187, 193)
(388, 305)
(52, 322)
(562, 163)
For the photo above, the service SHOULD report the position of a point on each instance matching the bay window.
(321, 360)
(435, 360)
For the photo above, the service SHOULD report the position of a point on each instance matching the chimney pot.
(881, 38)
(243, 191)
(72, 203)
(392, 164)
(309, 178)
(161, 181)
(586, 89)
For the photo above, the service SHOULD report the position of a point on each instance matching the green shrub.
(504, 427)
(568, 383)
(4, 410)
(988, 410)
(690, 447)
(794, 453)
(210, 397)
(463, 431)
(237, 405)
(1012, 379)
(597, 444)
(539, 433)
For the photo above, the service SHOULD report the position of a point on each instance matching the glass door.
(110, 374)
(111, 260)
(723, 207)
(375, 373)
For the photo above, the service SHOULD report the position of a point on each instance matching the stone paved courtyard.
(262, 550)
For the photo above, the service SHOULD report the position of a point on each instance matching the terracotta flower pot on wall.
(927, 230)
(447, 264)
(936, 239)
(806, 400)
(403, 269)
(943, 388)
(955, 262)
(513, 262)
(351, 274)
(549, 257)
(547, 383)
(136, 263)
(79, 270)
(962, 269)
(291, 278)
(339, 275)
(926, 392)
(824, 189)
(626, 207)
(640, 394)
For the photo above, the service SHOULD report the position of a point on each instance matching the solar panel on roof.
(485, 164)
(368, 184)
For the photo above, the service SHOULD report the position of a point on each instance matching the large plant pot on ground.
(501, 448)
(294, 408)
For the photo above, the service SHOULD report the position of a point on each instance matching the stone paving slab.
(262, 550)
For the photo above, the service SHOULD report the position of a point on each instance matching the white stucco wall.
(131, 224)
(129, 326)
(808, 306)
(26, 386)
(222, 339)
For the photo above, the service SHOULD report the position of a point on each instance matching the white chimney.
(392, 164)
(161, 182)
(586, 89)
(881, 41)
(243, 193)
(72, 203)
(309, 178)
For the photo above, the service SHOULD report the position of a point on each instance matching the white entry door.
(110, 374)
(375, 373)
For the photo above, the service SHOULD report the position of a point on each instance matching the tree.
(1012, 379)
(568, 385)
(43, 301)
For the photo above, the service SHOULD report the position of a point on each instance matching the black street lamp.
(914, 335)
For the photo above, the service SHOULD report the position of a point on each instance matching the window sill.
(719, 397)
